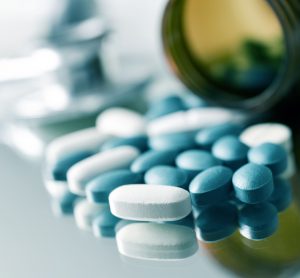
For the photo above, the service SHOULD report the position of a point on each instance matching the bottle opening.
(235, 45)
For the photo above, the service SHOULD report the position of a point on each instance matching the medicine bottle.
(237, 53)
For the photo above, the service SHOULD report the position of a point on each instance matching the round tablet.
(104, 224)
(139, 142)
(173, 141)
(216, 222)
(99, 188)
(231, 151)
(268, 133)
(154, 241)
(167, 175)
(258, 221)
(211, 186)
(153, 158)
(281, 197)
(253, 183)
(85, 213)
(208, 136)
(271, 155)
(150, 202)
(164, 107)
(196, 161)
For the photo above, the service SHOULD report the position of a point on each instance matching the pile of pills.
(160, 181)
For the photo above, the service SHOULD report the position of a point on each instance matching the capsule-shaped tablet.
(156, 241)
(167, 175)
(258, 221)
(83, 141)
(208, 136)
(231, 151)
(139, 142)
(196, 161)
(281, 197)
(216, 222)
(85, 213)
(104, 224)
(253, 183)
(193, 119)
(153, 158)
(270, 155)
(121, 122)
(99, 188)
(150, 202)
(268, 133)
(83, 172)
(165, 106)
(174, 141)
(58, 170)
(211, 186)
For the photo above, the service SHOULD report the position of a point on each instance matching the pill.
(85, 213)
(208, 136)
(253, 183)
(216, 222)
(59, 169)
(58, 190)
(268, 133)
(84, 171)
(281, 197)
(258, 221)
(145, 202)
(104, 224)
(193, 119)
(139, 142)
(211, 186)
(231, 151)
(165, 106)
(166, 175)
(83, 141)
(173, 141)
(196, 161)
(99, 188)
(152, 158)
(270, 155)
(121, 122)
(291, 167)
(156, 241)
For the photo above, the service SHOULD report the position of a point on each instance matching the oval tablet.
(231, 151)
(208, 136)
(83, 141)
(173, 141)
(120, 122)
(85, 213)
(196, 161)
(99, 188)
(270, 155)
(167, 175)
(153, 158)
(150, 202)
(211, 186)
(154, 241)
(165, 106)
(139, 142)
(216, 222)
(268, 133)
(253, 183)
(81, 173)
(258, 221)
